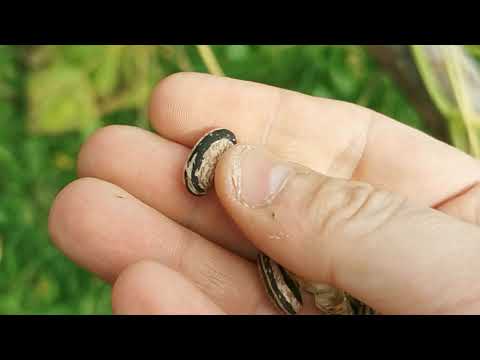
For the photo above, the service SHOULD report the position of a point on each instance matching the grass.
(38, 154)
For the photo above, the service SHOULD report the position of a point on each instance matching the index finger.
(332, 137)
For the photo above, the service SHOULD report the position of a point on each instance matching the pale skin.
(370, 206)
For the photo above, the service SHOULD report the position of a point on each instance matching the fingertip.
(148, 287)
(228, 179)
(128, 285)
(225, 172)
(170, 100)
(63, 207)
(95, 143)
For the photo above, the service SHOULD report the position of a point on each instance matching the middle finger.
(151, 168)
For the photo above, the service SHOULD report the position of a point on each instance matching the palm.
(131, 203)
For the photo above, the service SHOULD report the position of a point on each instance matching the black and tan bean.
(200, 166)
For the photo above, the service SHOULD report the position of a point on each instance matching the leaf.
(107, 76)
(1, 249)
(343, 83)
(45, 290)
(7, 160)
(8, 71)
(237, 52)
(474, 50)
(341, 73)
(322, 91)
(60, 99)
(131, 79)
(84, 56)
(452, 79)
(433, 70)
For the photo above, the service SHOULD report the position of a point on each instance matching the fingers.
(151, 169)
(394, 256)
(335, 138)
(148, 288)
(104, 229)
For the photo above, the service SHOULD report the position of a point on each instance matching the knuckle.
(350, 208)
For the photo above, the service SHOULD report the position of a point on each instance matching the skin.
(369, 205)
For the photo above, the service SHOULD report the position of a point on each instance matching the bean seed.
(282, 289)
(200, 167)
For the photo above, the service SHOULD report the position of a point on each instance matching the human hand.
(406, 243)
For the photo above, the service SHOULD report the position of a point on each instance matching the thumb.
(394, 256)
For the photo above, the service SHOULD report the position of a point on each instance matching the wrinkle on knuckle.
(338, 207)
(181, 253)
(341, 217)
(212, 281)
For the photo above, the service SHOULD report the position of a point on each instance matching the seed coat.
(199, 169)
(282, 289)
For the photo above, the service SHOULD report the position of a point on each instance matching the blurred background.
(53, 97)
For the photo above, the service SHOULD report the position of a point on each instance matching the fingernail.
(258, 176)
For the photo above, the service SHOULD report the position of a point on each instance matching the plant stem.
(398, 61)
(447, 107)
(209, 59)
(453, 56)
(182, 59)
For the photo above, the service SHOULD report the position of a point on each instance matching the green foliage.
(51, 97)
(8, 72)
(473, 50)
(73, 87)
(60, 99)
